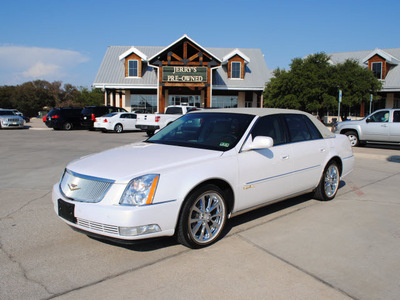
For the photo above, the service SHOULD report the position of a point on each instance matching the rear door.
(394, 127)
(310, 152)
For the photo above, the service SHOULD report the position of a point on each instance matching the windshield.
(6, 113)
(214, 131)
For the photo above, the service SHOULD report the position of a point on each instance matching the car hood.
(127, 162)
(352, 122)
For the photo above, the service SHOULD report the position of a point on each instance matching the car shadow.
(394, 158)
(154, 244)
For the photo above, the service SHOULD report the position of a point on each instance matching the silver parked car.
(382, 126)
(9, 120)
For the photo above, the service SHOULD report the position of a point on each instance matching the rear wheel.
(202, 218)
(118, 128)
(329, 183)
(353, 138)
(67, 126)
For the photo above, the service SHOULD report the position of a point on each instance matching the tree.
(357, 84)
(312, 84)
(31, 97)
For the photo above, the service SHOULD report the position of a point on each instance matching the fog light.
(139, 230)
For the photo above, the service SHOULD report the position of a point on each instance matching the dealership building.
(385, 64)
(148, 78)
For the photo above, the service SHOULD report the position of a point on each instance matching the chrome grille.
(83, 188)
(13, 120)
(98, 226)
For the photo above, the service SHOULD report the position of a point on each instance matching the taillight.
(158, 118)
(93, 117)
(55, 117)
(44, 118)
(105, 121)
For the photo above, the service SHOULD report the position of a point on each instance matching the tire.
(118, 128)
(150, 133)
(202, 218)
(353, 138)
(329, 183)
(67, 126)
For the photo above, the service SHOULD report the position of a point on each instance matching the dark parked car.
(89, 114)
(63, 118)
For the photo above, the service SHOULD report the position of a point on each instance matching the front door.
(377, 127)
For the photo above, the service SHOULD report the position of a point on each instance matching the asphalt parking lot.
(301, 248)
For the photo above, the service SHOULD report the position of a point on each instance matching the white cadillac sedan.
(116, 121)
(206, 167)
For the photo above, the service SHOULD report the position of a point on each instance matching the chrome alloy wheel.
(206, 217)
(331, 182)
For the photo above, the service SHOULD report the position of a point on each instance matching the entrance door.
(184, 100)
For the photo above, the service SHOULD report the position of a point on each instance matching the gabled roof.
(180, 39)
(111, 73)
(133, 50)
(233, 53)
(389, 58)
(392, 79)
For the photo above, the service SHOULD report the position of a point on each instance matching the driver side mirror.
(259, 142)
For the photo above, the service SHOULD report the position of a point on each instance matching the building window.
(236, 69)
(224, 101)
(133, 68)
(144, 103)
(377, 69)
(184, 100)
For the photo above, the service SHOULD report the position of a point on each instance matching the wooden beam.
(185, 50)
(194, 57)
(176, 56)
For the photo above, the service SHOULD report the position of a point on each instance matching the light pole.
(370, 104)
(340, 100)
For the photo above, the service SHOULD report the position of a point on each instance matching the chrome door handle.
(285, 157)
(322, 149)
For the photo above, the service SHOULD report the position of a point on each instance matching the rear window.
(174, 110)
(54, 112)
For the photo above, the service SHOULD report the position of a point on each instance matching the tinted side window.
(298, 130)
(270, 126)
(380, 116)
(315, 134)
(396, 116)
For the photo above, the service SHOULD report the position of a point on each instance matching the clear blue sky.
(66, 40)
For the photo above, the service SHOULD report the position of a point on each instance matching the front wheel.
(329, 183)
(118, 128)
(353, 138)
(202, 218)
(67, 126)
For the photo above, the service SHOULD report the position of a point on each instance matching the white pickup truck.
(152, 122)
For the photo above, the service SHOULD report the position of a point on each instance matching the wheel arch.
(220, 183)
(338, 161)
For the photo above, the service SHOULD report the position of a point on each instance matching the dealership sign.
(184, 74)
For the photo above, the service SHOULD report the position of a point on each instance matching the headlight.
(140, 191)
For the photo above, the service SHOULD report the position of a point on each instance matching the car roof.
(261, 112)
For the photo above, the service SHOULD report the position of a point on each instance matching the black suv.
(63, 118)
(89, 114)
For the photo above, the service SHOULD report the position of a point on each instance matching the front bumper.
(108, 219)
(12, 124)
